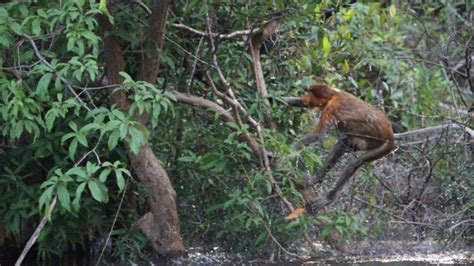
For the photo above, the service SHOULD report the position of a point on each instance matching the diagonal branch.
(224, 114)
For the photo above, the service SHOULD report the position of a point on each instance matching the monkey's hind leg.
(339, 149)
(306, 187)
(349, 171)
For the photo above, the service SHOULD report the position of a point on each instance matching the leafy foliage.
(62, 138)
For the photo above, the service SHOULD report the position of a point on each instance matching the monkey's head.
(318, 96)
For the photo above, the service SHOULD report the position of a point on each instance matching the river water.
(383, 252)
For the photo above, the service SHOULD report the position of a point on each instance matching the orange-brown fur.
(366, 126)
(363, 127)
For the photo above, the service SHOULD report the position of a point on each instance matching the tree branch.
(256, 41)
(432, 129)
(224, 114)
(150, 57)
(211, 34)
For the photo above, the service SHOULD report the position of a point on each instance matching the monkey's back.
(366, 126)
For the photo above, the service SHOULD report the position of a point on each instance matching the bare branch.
(36, 233)
(51, 207)
(432, 129)
(193, 67)
(257, 39)
(187, 52)
(220, 36)
(232, 100)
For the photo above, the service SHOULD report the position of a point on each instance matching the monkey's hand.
(314, 207)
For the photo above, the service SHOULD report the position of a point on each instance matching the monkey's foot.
(314, 207)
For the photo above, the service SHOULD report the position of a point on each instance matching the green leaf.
(209, 160)
(397, 95)
(29, 126)
(119, 114)
(105, 192)
(260, 238)
(82, 139)
(125, 171)
(67, 136)
(258, 207)
(340, 228)
(78, 171)
(90, 127)
(45, 198)
(50, 118)
(187, 159)
(17, 129)
(72, 148)
(392, 10)
(96, 192)
(111, 125)
(36, 27)
(126, 76)
(64, 197)
(70, 44)
(80, 3)
(103, 5)
(77, 199)
(136, 139)
(105, 173)
(325, 231)
(123, 131)
(233, 125)
(113, 139)
(73, 126)
(3, 14)
(345, 67)
(42, 13)
(4, 40)
(16, 28)
(326, 45)
(91, 168)
(120, 179)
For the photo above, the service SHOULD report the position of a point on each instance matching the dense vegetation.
(93, 92)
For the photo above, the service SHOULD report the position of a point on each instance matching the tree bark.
(256, 42)
(161, 224)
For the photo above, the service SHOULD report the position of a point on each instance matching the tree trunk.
(161, 224)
